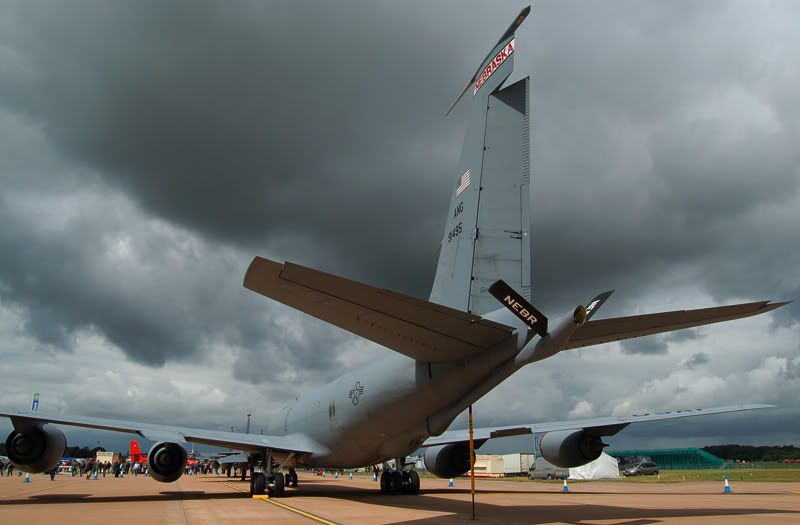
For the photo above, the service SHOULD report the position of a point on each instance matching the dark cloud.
(149, 150)
(695, 360)
(680, 336)
(645, 345)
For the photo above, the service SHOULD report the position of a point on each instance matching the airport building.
(110, 457)
(669, 458)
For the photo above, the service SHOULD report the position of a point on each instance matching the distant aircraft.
(476, 330)
(136, 453)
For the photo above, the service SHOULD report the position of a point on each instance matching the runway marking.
(314, 517)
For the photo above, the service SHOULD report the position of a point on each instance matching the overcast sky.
(148, 150)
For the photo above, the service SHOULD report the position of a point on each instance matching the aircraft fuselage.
(387, 408)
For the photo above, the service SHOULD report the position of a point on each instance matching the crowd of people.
(6, 468)
(92, 468)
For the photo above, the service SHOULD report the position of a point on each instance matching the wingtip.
(758, 406)
(769, 306)
(258, 268)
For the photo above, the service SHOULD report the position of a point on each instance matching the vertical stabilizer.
(487, 233)
(136, 453)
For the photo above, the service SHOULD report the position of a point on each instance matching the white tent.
(602, 468)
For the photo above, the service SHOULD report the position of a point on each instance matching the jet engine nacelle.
(448, 461)
(37, 449)
(570, 448)
(166, 461)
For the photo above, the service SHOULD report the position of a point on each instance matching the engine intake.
(448, 461)
(570, 448)
(37, 449)
(166, 461)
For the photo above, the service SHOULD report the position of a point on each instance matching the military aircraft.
(477, 329)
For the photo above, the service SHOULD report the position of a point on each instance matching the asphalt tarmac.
(217, 499)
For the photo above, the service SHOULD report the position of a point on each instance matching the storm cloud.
(149, 150)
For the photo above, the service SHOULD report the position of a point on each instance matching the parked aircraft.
(476, 330)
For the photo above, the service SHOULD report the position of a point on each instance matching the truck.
(543, 469)
(517, 464)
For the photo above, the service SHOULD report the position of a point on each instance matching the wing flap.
(22, 419)
(619, 328)
(419, 329)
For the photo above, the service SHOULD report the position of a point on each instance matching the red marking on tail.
(136, 452)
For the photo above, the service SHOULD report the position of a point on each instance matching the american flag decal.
(463, 183)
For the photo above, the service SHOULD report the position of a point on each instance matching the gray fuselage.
(387, 408)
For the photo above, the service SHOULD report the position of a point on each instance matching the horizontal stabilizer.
(419, 329)
(619, 328)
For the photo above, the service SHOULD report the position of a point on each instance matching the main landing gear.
(291, 478)
(269, 481)
(400, 480)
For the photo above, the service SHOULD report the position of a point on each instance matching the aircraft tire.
(385, 483)
(280, 485)
(258, 485)
(413, 483)
(395, 483)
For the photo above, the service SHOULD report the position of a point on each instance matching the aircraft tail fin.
(135, 450)
(487, 232)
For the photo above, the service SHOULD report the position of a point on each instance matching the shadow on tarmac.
(167, 495)
(459, 509)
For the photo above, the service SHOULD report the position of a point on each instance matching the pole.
(472, 461)
(247, 430)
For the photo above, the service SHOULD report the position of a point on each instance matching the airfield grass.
(678, 476)
(739, 474)
(666, 476)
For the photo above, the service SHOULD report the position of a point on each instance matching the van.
(542, 469)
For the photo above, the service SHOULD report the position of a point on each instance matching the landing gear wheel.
(291, 478)
(412, 486)
(385, 483)
(258, 484)
(277, 487)
(395, 485)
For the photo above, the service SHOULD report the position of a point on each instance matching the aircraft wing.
(619, 328)
(233, 459)
(420, 329)
(599, 426)
(22, 419)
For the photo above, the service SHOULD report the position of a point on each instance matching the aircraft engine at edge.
(570, 448)
(448, 461)
(166, 461)
(37, 449)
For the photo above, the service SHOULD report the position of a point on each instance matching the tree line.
(69, 452)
